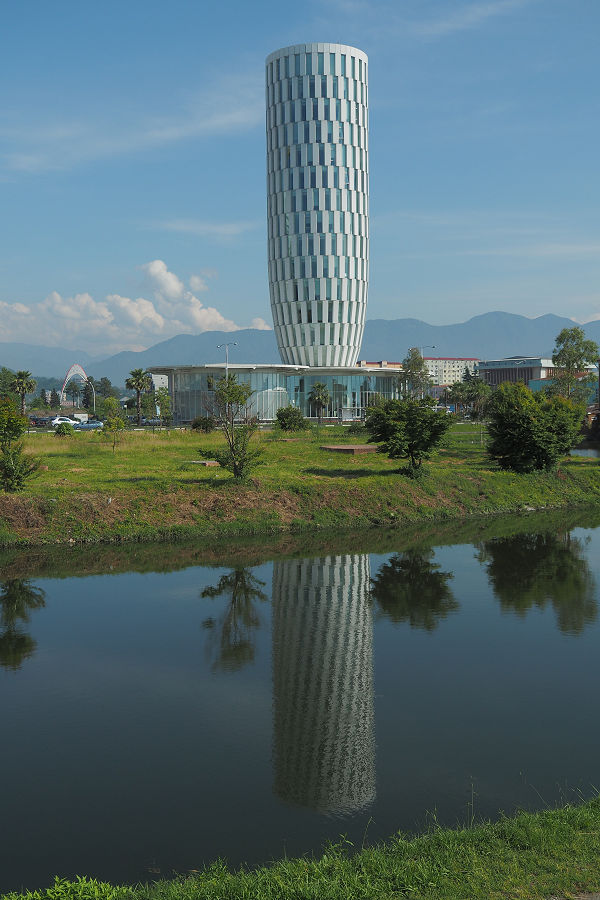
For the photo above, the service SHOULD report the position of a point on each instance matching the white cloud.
(225, 105)
(260, 324)
(209, 229)
(465, 17)
(166, 284)
(118, 322)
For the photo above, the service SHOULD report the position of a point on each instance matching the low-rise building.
(450, 369)
(515, 368)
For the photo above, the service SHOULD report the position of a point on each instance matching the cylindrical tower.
(318, 201)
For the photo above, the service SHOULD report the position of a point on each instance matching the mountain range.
(491, 335)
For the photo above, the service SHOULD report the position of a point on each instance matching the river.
(164, 706)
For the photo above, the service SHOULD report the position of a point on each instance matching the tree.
(163, 402)
(290, 418)
(407, 429)
(22, 384)
(536, 569)
(113, 423)
(572, 353)
(17, 598)
(88, 395)
(414, 377)
(471, 396)
(139, 381)
(54, 399)
(528, 431)
(73, 391)
(238, 426)
(320, 398)
(235, 646)
(105, 388)
(410, 588)
(15, 467)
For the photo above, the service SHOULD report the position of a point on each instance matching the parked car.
(151, 422)
(58, 420)
(90, 425)
(39, 421)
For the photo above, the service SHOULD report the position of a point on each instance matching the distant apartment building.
(450, 369)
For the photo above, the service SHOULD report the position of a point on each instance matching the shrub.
(290, 418)
(357, 428)
(204, 423)
(14, 465)
(63, 429)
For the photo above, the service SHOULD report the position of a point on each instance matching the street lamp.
(227, 346)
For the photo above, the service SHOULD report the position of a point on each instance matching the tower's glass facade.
(318, 201)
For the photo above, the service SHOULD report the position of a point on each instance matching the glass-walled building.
(351, 390)
(318, 201)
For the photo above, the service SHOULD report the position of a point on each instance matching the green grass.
(153, 487)
(530, 856)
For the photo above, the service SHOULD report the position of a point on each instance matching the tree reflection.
(230, 643)
(409, 587)
(537, 569)
(17, 598)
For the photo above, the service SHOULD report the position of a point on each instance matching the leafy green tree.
(105, 388)
(290, 418)
(139, 381)
(7, 376)
(23, 384)
(54, 399)
(15, 467)
(204, 423)
(534, 570)
(234, 630)
(64, 429)
(17, 598)
(572, 353)
(407, 429)
(149, 406)
(409, 587)
(114, 424)
(528, 431)
(414, 378)
(73, 390)
(238, 426)
(163, 401)
(470, 396)
(88, 394)
(320, 398)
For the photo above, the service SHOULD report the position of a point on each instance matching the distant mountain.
(50, 361)
(488, 336)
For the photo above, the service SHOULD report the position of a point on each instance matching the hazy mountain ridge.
(487, 336)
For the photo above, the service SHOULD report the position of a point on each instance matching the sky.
(132, 161)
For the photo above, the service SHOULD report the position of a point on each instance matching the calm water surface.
(154, 721)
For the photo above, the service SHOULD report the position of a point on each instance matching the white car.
(58, 420)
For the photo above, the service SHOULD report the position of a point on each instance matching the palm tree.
(23, 384)
(319, 397)
(139, 381)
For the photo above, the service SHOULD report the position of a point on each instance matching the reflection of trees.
(537, 569)
(410, 588)
(17, 598)
(231, 645)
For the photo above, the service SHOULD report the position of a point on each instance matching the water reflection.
(230, 641)
(18, 597)
(409, 587)
(532, 570)
(324, 747)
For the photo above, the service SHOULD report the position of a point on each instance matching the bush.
(204, 423)
(14, 465)
(357, 428)
(63, 429)
(290, 418)
(529, 432)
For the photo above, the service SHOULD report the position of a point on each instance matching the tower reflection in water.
(324, 745)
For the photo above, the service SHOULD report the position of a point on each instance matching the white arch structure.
(76, 371)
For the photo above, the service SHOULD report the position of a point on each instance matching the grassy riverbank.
(531, 856)
(154, 486)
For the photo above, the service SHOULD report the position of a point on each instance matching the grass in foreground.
(531, 856)
(154, 486)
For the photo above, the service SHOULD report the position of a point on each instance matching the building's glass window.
(320, 63)
(309, 70)
(343, 63)
(296, 63)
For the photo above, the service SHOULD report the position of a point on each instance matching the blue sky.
(132, 161)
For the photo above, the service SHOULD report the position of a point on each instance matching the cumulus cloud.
(118, 322)
(260, 324)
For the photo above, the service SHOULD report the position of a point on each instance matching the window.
(296, 63)
(343, 62)
(320, 63)
(309, 67)
(332, 63)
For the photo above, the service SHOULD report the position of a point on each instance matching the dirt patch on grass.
(23, 515)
